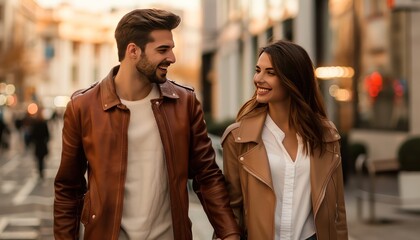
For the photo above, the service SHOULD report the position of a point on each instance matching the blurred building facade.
(18, 47)
(364, 52)
(48, 53)
(77, 50)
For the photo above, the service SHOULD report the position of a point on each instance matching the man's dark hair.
(135, 27)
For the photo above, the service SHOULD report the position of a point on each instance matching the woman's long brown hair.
(296, 72)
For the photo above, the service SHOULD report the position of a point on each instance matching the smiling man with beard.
(140, 137)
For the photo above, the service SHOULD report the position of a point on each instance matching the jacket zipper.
(160, 122)
(123, 174)
(324, 187)
(275, 197)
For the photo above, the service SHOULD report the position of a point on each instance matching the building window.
(383, 101)
(1, 14)
(255, 48)
(75, 63)
(269, 34)
(288, 29)
(49, 49)
(1, 27)
(97, 61)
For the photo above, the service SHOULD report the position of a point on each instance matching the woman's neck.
(280, 114)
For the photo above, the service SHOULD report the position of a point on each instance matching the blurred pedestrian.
(282, 157)
(4, 134)
(39, 136)
(24, 125)
(140, 137)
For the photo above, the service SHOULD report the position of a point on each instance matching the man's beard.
(145, 68)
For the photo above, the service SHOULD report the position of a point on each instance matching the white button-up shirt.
(292, 186)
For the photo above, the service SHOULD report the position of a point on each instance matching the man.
(140, 137)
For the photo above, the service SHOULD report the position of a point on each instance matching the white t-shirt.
(146, 209)
(292, 186)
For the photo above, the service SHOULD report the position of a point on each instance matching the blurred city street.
(26, 201)
(365, 55)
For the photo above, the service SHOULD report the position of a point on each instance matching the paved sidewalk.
(26, 203)
(26, 200)
(391, 222)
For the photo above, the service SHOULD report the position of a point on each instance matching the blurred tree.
(12, 64)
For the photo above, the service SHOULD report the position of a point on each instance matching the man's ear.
(133, 51)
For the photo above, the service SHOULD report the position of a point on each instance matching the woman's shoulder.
(229, 129)
(331, 132)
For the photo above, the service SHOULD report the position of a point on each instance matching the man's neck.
(130, 86)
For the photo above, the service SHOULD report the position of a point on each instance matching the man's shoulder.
(83, 91)
(182, 86)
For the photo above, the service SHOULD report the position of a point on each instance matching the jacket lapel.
(254, 158)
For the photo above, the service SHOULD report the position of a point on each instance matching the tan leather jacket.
(247, 171)
(95, 139)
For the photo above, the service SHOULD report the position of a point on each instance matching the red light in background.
(373, 83)
(390, 4)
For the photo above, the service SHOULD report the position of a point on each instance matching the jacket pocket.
(86, 209)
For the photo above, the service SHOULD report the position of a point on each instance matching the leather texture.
(95, 140)
(253, 199)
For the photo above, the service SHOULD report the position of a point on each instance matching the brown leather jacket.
(250, 186)
(95, 139)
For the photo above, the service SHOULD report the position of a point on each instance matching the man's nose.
(171, 57)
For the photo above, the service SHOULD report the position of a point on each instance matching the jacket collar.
(255, 159)
(109, 95)
(252, 126)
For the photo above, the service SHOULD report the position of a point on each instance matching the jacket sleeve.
(231, 170)
(208, 180)
(341, 221)
(70, 184)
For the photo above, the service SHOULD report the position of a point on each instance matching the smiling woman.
(281, 143)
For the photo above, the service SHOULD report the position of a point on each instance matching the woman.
(282, 156)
